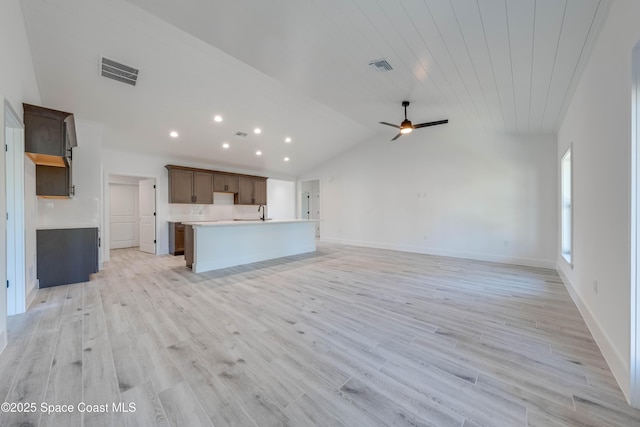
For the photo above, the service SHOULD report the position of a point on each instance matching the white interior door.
(147, 198)
(123, 216)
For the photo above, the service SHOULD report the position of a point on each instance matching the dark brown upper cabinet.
(190, 186)
(225, 183)
(50, 136)
(251, 191)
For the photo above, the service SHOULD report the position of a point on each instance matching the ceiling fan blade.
(424, 125)
(397, 136)
(389, 124)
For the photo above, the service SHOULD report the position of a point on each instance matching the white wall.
(17, 85)
(18, 81)
(444, 191)
(598, 123)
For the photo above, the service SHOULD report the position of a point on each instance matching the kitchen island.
(212, 245)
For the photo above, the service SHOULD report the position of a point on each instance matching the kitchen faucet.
(261, 206)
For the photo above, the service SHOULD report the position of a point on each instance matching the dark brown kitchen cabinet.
(251, 191)
(193, 185)
(48, 133)
(203, 188)
(259, 191)
(53, 181)
(225, 183)
(50, 136)
(188, 245)
(189, 186)
(176, 238)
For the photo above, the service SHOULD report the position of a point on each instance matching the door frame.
(106, 236)
(317, 203)
(155, 216)
(14, 199)
(634, 344)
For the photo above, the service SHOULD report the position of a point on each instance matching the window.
(566, 204)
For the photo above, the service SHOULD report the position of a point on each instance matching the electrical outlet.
(595, 286)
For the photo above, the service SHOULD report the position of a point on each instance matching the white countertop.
(66, 226)
(225, 223)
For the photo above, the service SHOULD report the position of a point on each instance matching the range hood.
(50, 136)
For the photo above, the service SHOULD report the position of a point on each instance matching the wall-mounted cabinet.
(225, 183)
(190, 186)
(50, 136)
(251, 191)
(53, 181)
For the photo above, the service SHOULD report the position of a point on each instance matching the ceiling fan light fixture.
(406, 127)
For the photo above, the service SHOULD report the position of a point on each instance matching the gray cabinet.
(48, 132)
(53, 181)
(66, 255)
(49, 139)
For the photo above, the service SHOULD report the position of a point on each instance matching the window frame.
(566, 205)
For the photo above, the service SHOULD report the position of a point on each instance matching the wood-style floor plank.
(344, 336)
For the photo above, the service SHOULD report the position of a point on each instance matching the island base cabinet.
(66, 256)
(188, 245)
(176, 238)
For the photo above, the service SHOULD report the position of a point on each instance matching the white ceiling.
(299, 68)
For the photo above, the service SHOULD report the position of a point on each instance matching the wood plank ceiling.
(504, 65)
(300, 69)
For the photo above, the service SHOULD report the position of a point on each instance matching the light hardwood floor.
(345, 336)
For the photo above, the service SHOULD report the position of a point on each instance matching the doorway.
(132, 213)
(14, 199)
(310, 202)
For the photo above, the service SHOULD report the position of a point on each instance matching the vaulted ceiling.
(300, 69)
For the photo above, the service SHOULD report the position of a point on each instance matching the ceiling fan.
(407, 127)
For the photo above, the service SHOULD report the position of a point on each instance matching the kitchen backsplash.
(221, 209)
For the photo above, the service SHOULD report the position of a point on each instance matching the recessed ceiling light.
(287, 139)
(173, 134)
(257, 131)
(258, 153)
(286, 159)
(217, 119)
(225, 145)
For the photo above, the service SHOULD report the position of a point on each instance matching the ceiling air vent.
(242, 134)
(381, 65)
(119, 72)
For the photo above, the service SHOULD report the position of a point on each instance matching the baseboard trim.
(528, 262)
(31, 295)
(614, 359)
